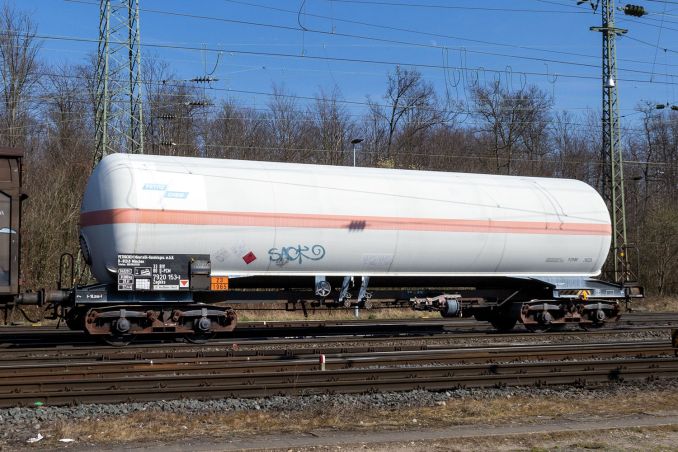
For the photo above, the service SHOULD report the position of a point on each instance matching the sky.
(309, 46)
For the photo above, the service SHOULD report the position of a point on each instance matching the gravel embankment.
(17, 422)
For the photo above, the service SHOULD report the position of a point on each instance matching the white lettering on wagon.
(146, 272)
(172, 191)
(155, 187)
(377, 261)
(176, 194)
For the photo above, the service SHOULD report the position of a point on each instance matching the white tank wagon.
(280, 219)
(170, 240)
(161, 231)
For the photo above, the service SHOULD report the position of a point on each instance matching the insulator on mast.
(634, 10)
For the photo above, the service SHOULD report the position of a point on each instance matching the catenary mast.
(119, 112)
(611, 151)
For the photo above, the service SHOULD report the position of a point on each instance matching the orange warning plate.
(219, 283)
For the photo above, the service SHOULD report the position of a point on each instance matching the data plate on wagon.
(154, 272)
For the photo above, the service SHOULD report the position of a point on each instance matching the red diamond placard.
(249, 258)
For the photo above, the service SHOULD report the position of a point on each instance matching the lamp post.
(354, 142)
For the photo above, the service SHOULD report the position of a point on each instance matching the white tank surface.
(266, 218)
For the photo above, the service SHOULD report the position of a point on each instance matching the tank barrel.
(474, 225)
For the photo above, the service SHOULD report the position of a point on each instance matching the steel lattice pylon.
(119, 113)
(611, 151)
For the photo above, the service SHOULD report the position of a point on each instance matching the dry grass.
(658, 304)
(267, 314)
(141, 426)
(271, 313)
(636, 439)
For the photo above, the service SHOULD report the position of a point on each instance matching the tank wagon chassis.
(177, 294)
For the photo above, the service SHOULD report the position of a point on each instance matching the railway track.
(357, 369)
(336, 357)
(41, 336)
(310, 344)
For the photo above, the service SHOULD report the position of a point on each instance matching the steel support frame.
(119, 110)
(612, 184)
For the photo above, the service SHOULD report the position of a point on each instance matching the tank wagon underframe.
(103, 310)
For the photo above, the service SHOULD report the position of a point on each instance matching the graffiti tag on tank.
(299, 253)
(221, 255)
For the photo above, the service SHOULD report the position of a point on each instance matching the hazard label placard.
(219, 283)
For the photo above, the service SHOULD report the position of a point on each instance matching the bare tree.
(158, 102)
(55, 176)
(236, 132)
(573, 148)
(330, 128)
(286, 126)
(453, 148)
(513, 121)
(659, 243)
(173, 111)
(67, 112)
(18, 68)
(411, 108)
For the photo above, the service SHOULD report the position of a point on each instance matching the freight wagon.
(170, 240)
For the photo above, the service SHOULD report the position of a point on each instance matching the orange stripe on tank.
(354, 222)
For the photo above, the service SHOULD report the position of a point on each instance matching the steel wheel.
(504, 323)
(199, 338)
(118, 340)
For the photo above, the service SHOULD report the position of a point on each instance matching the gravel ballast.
(31, 419)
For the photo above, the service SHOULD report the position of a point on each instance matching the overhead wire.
(370, 38)
(452, 7)
(430, 34)
(653, 46)
(668, 2)
(181, 84)
(659, 35)
(354, 60)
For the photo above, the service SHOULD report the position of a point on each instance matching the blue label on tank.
(158, 187)
(176, 194)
